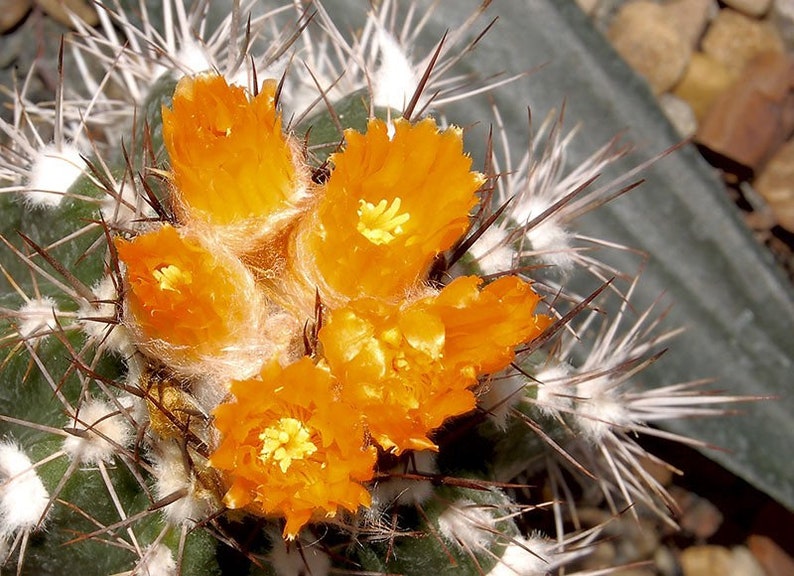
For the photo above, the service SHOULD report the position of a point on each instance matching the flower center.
(171, 277)
(381, 223)
(286, 441)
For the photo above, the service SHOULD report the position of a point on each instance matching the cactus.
(267, 318)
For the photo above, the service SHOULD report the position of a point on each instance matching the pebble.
(587, 6)
(735, 39)
(666, 562)
(650, 44)
(690, 17)
(750, 120)
(12, 12)
(61, 11)
(775, 184)
(704, 80)
(706, 561)
(754, 8)
(711, 560)
(782, 16)
(745, 564)
(699, 517)
(772, 557)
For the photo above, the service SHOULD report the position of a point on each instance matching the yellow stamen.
(288, 440)
(170, 277)
(381, 223)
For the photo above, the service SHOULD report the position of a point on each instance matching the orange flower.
(408, 369)
(231, 163)
(391, 205)
(186, 304)
(290, 448)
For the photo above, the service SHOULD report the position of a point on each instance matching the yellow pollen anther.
(381, 223)
(288, 440)
(170, 277)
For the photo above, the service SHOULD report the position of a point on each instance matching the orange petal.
(485, 326)
(231, 163)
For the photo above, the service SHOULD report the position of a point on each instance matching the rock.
(770, 556)
(706, 561)
(782, 16)
(735, 39)
(680, 114)
(666, 562)
(747, 123)
(776, 185)
(704, 80)
(699, 517)
(744, 563)
(587, 6)
(12, 12)
(719, 561)
(650, 44)
(754, 8)
(690, 17)
(62, 10)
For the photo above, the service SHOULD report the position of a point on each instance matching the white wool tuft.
(549, 240)
(289, 560)
(552, 243)
(599, 408)
(116, 337)
(95, 423)
(467, 524)
(491, 252)
(524, 558)
(171, 476)
(37, 316)
(157, 561)
(192, 57)
(395, 80)
(554, 389)
(23, 498)
(401, 491)
(52, 173)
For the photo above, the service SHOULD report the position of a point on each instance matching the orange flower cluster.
(395, 358)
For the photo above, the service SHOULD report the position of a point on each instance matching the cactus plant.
(268, 318)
